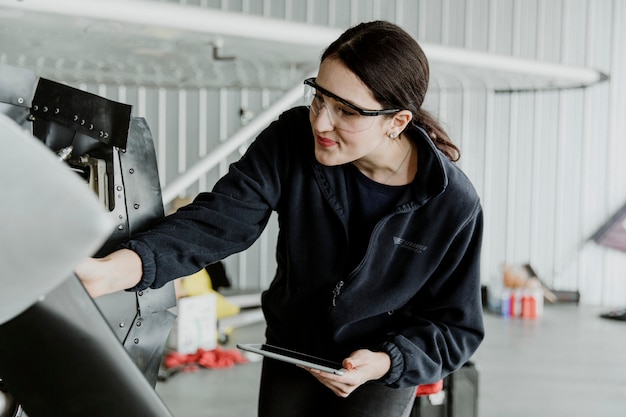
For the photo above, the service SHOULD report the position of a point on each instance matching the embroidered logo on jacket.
(407, 244)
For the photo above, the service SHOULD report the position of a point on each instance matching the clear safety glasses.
(342, 114)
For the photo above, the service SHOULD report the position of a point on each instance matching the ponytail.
(437, 134)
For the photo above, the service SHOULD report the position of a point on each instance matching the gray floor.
(569, 363)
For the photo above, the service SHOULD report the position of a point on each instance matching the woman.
(379, 243)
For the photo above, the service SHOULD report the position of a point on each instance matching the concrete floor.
(569, 363)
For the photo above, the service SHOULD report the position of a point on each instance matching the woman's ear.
(401, 120)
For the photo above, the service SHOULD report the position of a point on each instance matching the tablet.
(297, 358)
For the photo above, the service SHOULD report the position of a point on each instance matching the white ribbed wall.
(548, 165)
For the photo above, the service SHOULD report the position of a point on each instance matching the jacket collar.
(432, 177)
(430, 181)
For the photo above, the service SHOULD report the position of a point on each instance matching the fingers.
(359, 358)
(373, 365)
(115, 272)
(340, 385)
(361, 366)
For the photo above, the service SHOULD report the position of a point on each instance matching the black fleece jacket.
(414, 295)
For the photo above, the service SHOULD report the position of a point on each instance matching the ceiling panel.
(147, 43)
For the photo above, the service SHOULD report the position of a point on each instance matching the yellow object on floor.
(200, 283)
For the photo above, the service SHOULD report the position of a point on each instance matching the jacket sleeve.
(443, 324)
(219, 223)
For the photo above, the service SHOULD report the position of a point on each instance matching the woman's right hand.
(115, 272)
(363, 365)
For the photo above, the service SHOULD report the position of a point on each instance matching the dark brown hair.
(392, 64)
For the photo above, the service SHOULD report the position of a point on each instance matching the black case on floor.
(459, 397)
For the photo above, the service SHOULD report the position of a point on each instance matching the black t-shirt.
(369, 202)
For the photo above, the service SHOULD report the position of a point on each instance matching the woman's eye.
(344, 111)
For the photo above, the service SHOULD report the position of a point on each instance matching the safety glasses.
(342, 114)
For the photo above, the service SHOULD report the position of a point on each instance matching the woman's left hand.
(362, 365)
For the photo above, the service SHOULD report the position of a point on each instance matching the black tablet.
(297, 358)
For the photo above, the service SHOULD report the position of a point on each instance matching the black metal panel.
(148, 333)
(141, 178)
(87, 125)
(140, 320)
(92, 115)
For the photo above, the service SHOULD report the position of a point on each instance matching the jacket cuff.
(148, 264)
(397, 363)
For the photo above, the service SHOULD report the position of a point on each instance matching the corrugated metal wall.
(547, 164)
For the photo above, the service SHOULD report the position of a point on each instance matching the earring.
(393, 135)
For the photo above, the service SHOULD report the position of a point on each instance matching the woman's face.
(336, 146)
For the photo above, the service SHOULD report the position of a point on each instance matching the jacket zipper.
(336, 292)
(341, 283)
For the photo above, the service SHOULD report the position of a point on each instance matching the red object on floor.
(428, 389)
(215, 358)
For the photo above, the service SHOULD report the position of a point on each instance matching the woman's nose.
(323, 121)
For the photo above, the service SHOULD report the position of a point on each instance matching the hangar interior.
(532, 92)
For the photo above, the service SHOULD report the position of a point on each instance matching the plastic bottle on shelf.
(505, 303)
